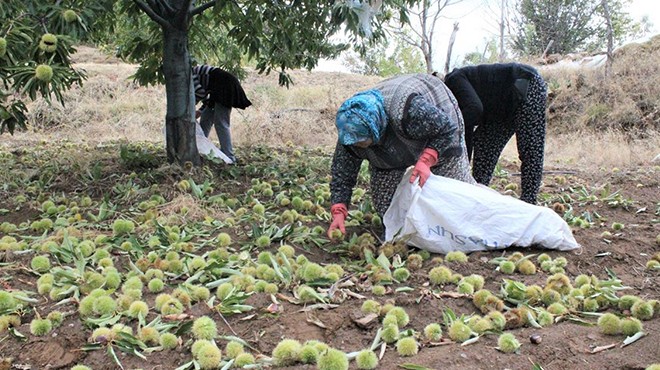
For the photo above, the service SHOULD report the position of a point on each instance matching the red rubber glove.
(339, 214)
(423, 166)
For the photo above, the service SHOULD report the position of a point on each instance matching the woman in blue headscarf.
(403, 121)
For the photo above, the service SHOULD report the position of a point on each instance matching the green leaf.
(409, 366)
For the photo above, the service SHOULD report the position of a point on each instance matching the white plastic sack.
(450, 215)
(204, 145)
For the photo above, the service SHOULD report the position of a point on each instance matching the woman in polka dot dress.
(497, 101)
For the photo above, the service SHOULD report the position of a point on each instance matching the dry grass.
(593, 121)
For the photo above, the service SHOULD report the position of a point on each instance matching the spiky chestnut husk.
(332, 359)
(7, 301)
(497, 320)
(271, 288)
(507, 267)
(401, 274)
(414, 261)
(70, 16)
(492, 303)
(122, 227)
(312, 271)
(533, 294)
(559, 282)
(309, 354)
(40, 327)
(306, 294)
(48, 43)
(168, 341)
(480, 296)
(609, 324)
(642, 310)
(104, 306)
(440, 275)
(55, 317)
(526, 267)
(433, 332)
(155, 285)
(402, 317)
(407, 347)
(456, 256)
(560, 262)
(204, 328)
(233, 349)
(557, 309)
(508, 343)
(477, 281)
(581, 280)
(3, 47)
(482, 325)
(378, 290)
(287, 352)
(370, 306)
(627, 301)
(514, 289)
(133, 282)
(40, 264)
(459, 332)
(137, 309)
(224, 290)
(44, 73)
(590, 305)
(209, 356)
(200, 293)
(149, 335)
(390, 333)
(653, 367)
(516, 256)
(545, 318)
(171, 307)
(244, 359)
(550, 296)
(385, 309)
(465, 288)
(366, 359)
(630, 326)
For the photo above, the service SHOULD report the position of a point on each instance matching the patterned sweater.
(422, 113)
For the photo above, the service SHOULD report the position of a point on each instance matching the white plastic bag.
(204, 145)
(449, 215)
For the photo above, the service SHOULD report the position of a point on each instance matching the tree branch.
(150, 12)
(200, 9)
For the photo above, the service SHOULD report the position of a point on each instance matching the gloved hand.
(423, 166)
(339, 213)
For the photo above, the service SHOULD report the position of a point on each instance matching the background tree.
(571, 25)
(420, 31)
(386, 61)
(160, 35)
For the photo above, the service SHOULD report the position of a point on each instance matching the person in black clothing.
(497, 101)
(219, 91)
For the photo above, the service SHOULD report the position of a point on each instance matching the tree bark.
(179, 120)
(450, 47)
(610, 38)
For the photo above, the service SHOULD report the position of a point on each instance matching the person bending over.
(497, 101)
(219, 91)
(403, 121)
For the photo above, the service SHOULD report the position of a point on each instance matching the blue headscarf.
(361, 117)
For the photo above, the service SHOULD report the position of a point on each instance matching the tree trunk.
(452, 38)
(179, 120)
(610, 38)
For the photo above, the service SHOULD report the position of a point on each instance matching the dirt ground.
(633, 199)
